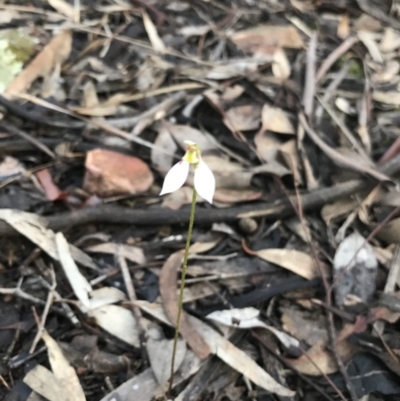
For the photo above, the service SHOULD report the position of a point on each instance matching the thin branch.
(49, 301)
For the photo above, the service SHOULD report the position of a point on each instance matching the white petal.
(204, 181)
(175, 177)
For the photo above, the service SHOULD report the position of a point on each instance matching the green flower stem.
(180, 305)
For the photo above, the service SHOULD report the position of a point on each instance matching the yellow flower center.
(192, 154)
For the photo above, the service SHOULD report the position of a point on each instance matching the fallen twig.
(278, 209)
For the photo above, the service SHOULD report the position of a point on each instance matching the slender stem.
(182, 287)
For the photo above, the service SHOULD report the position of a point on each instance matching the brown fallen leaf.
(236, 196)
(225, 350)
(168, 285)
(130, 252)
(383, 313)
(118, 321)
(164, 140)
(265, 39)
(354, 269)
(55, 52)
(390, 233)
(100, 110)
(182, 133)
(104, 362)
(295, 261)
(34, 228)
(318, 360)
(201, 247)
(243, 118)
(110, 173)
(280, 65)
(63, 372)
(343, 29)
(10, 167)
(77, 280)
(390, 40)
(228, 175)
(390, 97)
(304, 325)
(289, 152)
(234, 68)
(276, 120)
(155, 40)
(159, 350)
(42, 381)
(66, 9)
(341, 207)
(341, 160)
(267, 144)
(178, 198)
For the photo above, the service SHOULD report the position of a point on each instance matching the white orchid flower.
(204, 180)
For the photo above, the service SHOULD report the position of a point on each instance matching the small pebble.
(248, 225)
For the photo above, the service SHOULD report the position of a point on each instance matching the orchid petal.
(204, 181)
(175, 177)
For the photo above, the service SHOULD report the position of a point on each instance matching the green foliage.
(15, 48)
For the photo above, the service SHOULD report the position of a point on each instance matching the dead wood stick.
(278, 209)
(137, 313)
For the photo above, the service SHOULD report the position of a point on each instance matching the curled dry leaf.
(168, 285)
(63, 372)
(65, 8)
(387, 73)
(118, 321)
(42, 381)
(236, 196)
(98, 110)
(390, 97)
(144, 386)
(201, 247)
(280, 65)
(248, 318)
(318, 360)
(265, 39)
(276, 120)
(155, 40)
(295, 261)
(267, 144)
(225, 350)
(343, 29)
(390, 40)
(78, 282)
(182, 133)
(159, 350)
(243, 118)
(130, 252)
(164, 140)
(175, 200)
(199, 30)
(34, 228)
(228, 175)
(341, 207)
(355, 269)
(235, 68)
(10, 167)
(390, 233)
(104, 362)
(367, 38)
(272, 167)
(307, 327)
(55, 52)
(105, 296)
